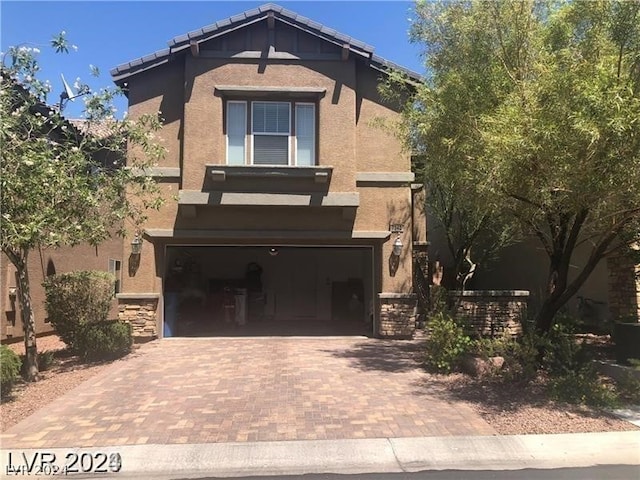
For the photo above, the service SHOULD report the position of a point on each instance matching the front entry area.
(268, 291)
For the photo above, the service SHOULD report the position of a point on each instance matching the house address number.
(396, 227)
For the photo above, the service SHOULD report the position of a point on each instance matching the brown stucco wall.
(204, 136)
(161, 91)
(378, 148)
(348, 140)
(46, 260)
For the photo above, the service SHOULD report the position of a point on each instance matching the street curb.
(381, 455)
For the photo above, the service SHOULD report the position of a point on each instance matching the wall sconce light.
(397, 246)
(136, 244)
(13, 293)
(273, 251)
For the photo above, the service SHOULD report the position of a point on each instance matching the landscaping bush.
(75, 299)
(519, 355)
(446, 343)
(582, 387)
(628, 388)
(562, 354)
(104, 340)
(45, 361)
(573, 377)
(10, 365)
(439, 299)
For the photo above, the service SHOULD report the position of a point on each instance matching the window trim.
(117, 273)
(246, 118)
(315, 133)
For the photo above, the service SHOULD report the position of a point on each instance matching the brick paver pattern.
(251, 389)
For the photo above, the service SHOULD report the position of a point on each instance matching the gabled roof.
(183, 42)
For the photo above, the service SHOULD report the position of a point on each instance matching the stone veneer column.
(624, 288)
(397, 315)
(141, 311)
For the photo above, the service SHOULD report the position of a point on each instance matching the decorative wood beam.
(195, 48)
(345, 52)
(271, 21)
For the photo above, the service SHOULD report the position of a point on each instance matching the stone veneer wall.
(624, 288)
(141, 313)
(492, 312)
(397, 315)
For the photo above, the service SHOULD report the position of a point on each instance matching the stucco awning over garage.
(267, 235)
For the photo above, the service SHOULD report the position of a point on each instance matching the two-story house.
(288, 207)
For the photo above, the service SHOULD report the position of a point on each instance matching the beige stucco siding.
(205, 142)
(161, 91)
(379, 208)
(51, 260)
(378, 148)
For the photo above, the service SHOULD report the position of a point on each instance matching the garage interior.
(273, 290)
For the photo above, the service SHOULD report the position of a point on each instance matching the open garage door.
(268, 290)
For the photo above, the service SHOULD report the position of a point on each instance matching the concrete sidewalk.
(350, 456)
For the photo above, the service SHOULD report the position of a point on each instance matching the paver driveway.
(251, 389)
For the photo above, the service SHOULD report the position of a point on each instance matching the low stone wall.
(492, 312)
(397, 315)
(141, 312)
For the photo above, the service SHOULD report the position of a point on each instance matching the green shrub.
(628, 387)
(10, 365)
(562, 354)
(520, 355)
(439, 299)
(77, 298)
(582, 387)
(104, 340)
(446, 343)
(45, 360)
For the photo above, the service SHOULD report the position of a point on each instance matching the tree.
(61, 185)
(536, 106)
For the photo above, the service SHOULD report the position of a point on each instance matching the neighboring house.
(287, 205)
(42, 263)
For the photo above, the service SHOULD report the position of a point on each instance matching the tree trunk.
(28, 320)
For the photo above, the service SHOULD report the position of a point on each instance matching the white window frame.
(246, 118)
(292, 143)
(315, 133)
(278, 134)
(113, 263)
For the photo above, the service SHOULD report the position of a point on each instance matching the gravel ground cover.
(509, 408)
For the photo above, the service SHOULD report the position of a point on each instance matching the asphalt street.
(608, 472)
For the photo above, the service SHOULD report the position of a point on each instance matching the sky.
(109, 33)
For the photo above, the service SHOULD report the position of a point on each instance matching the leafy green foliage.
(628, 389)
(446, 344)
(46, 360)
(61, 183)
(104, 340)
(10, 365)
(439, 299)
(76, 299)
(520, 355)
(573, 377)
(529, 117)
(582, 387)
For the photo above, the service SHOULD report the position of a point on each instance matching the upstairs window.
(276, 133)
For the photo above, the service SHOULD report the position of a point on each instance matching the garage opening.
(268, 290)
